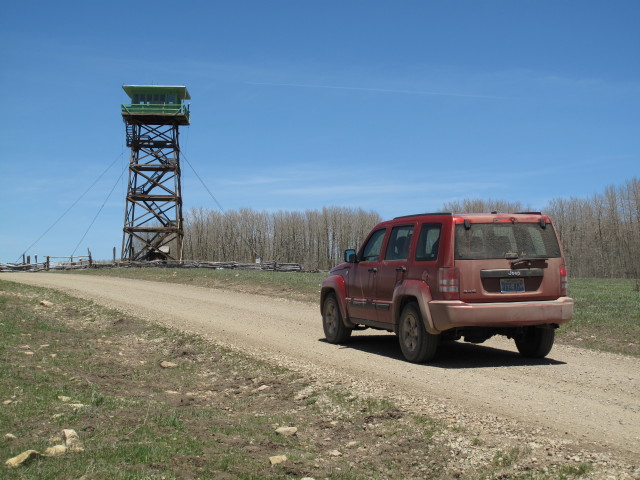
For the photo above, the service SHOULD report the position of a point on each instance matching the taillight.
(449, 283)
(563, 281)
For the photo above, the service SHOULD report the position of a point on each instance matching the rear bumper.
(452, 314)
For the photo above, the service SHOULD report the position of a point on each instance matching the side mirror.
(350, 256)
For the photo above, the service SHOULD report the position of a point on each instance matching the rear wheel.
(416, 343)
(536, 342)
(334, 329)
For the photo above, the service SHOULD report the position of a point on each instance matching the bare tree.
(476, 205)
(601, 234)
(313, 238)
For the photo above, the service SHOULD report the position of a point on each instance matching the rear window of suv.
(505, 240)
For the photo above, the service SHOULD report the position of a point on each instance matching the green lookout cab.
(156, 104)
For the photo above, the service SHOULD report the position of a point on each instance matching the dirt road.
(577, 396)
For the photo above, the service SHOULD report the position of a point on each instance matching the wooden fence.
(50, 263)
(86, 262)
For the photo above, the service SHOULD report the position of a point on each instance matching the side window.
(371, 251)
(398, 245)
(428, 241)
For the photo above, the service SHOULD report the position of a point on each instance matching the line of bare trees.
(600, 234)
(313, 238)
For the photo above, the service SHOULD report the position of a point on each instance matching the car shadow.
(450, 355)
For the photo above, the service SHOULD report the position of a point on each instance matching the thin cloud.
(375, 90)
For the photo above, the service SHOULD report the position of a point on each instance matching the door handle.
(373, 269)
(401, 269)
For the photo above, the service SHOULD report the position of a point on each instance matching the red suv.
(443, 276)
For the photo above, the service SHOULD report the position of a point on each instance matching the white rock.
(277, 459)
(22, 458)
(165, 364)
(71, 440)
(55, 451)
(287, 431)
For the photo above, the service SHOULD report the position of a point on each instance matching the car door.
(392, 270)
(361, 284)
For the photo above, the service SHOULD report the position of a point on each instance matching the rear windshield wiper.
(526, 259)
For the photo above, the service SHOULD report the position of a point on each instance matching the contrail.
(378, 90)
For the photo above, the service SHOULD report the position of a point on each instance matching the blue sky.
(395, 107)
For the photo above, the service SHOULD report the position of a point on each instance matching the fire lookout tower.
(153, 225)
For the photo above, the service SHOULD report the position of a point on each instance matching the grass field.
(212, 413)
(606, 315)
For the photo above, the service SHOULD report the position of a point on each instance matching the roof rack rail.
(528, 213)
(423, 215)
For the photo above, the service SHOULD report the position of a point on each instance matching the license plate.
(512, 285)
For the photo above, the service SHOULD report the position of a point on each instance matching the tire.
(536, 342)
(416, 343)
(332, 324)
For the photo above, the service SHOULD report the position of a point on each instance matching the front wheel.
(332, 324)
(536, 342)
(416, 343)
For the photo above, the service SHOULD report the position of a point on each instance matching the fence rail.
(78, 263)
(22, 267)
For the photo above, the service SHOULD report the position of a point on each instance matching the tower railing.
(156, 109)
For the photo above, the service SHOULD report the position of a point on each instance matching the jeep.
(439, 277)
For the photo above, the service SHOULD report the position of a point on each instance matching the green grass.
(606, 316)
(506, 459)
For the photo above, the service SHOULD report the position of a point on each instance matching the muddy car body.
(434, 277)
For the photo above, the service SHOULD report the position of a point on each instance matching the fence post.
(48, 263)
(90, 259)
(23, 259)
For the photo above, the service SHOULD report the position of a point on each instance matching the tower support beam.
(153, 224)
